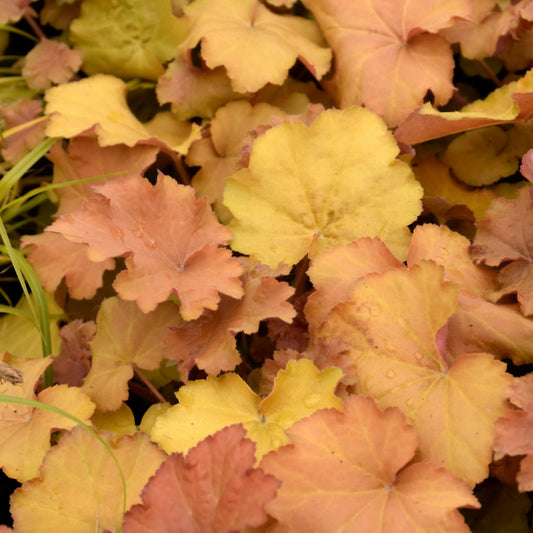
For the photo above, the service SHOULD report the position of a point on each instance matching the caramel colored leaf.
(397, 338)
(214, 488)
(206, 406)
(328, 184)
(172, 241)
(125, 337)
(242, 34)
(25, 431)
(388, 55)
(80, 489)
(348, 472)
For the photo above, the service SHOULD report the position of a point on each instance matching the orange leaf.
(214, 488)
(347, 472)
(385, 57)
(172, 242)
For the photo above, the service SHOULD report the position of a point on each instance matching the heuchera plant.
(273, 265)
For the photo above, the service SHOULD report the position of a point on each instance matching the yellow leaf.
(310, 188)
(20, 337)
(121, 421)
(206, 406)
(100, 102)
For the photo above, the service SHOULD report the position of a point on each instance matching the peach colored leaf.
(173, 243)
(397, 338)
(80, 489)
(526, 167)
(125, 337)
(506, 234)
(513, 101)
(50, 62)
(206, 406)
(328, 184)
(514, 431)
(334, 273)
(99, 104)
(18, 144)
(241, 34)
(214, 488)
(387, 55)
(55, 258)
(25, 431)
(451, 250)
(52, 256)
(349, 471)
(12, 10)
(87, 159)
(209, 341)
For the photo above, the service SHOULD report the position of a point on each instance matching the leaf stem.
(149, 385)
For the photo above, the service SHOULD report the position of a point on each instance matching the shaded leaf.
(506, 234)
(125, 337)
(133, 40)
